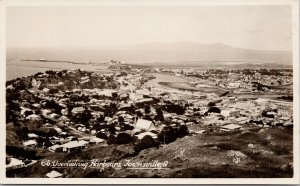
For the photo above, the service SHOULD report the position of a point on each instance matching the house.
(124, 106)
(262, 101)
(10, 87)
(283, 112)
(234, 85)
(74, 145)
(54, 174)
(141, 135)
(23, 111)
(56, 148)
(230, 127)
(46, 90)
(143, 124)
(145, 100)
(30, 143)
(96, 140)
(63, 133)
(167, 115)
(76, 90)
(54, 116)
(58, 130)
(14, 164)
(77, 110)
(242, 120)
(223, 122)
(225, 113)
(235, 113)
(64, 112)
(46, 112)
(64, 119)
(105, 92)
(36, 105)
(48, 125)
(60, 83)
(284, 118)
(32, 136)
(33, 117)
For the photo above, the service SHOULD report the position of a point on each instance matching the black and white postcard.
(149, 91)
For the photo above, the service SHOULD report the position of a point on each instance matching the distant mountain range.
(182, 46)
(164, 53)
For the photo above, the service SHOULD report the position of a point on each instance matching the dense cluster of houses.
(84, 109)
(240, 81)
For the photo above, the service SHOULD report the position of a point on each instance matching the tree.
(214, 109)
(167, 135)
(22, 133)
(101, 135)
(53, 105)
(159, 111)
(139, 114)
(211, 104)
(111, 139)
(74, 139)
(174, 108)
(98, 126)
(101, 119)
(27, 113)
(83, 117)
(159, 115)
(8, 161)
(147, 117)
(53, 91)
(120, 119)
(114, 95)
(147, 109)
(111, 129)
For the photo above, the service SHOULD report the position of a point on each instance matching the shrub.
(128, 127)
(183, 131)
(211, 104)
(123, 138)
(145, 143)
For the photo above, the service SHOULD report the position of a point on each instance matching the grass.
(201, 156)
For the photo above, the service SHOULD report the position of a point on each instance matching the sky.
(250, 27)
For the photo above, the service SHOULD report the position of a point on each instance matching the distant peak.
(219, 44)
(185, 42)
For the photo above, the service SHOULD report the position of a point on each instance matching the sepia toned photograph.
(151, 91)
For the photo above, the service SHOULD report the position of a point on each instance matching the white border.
(295, 17)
